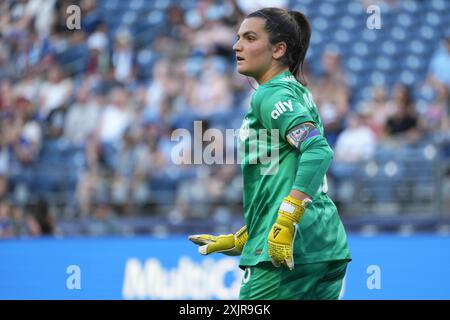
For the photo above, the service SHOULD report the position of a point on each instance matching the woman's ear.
(279, 50)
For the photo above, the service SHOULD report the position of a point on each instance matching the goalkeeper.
(293, 244)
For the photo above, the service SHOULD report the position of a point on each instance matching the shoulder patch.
(300, 133)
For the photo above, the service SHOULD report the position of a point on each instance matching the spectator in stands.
(23, 223)
(54, 92)
(5, 155)
(82, 117)
(39, 46)
(6, 220)
(377, 110)
(214, 38)
(103, 221)
(14, 223)
(7, 70)
(16, 18)
(29, 140)
(192, 197)
(331, 95)
(91, 182)
(4, 185)
(40, 15)
(436, 119)
(113, 122)
(131, 172)
(402, 127)
(41, 221)
(20, 140)
(211, 92)
(98, 44)
(225, 192)
(6, 152)
(123, 58)
(20, 137)
(162, 86)
(439, 69)
(54, 124)
(212, 191)
(91, 15)
(6, 96)
(176, 26)
(357, 142)
(28, 86)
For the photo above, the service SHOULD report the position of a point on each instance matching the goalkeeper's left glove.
(282, 235)
(229, 244)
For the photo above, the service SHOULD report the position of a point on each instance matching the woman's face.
(253, 50)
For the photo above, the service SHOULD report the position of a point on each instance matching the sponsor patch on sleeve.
(301, 133)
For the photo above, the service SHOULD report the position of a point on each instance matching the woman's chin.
(243, 71)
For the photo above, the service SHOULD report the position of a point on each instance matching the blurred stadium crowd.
(86, 115)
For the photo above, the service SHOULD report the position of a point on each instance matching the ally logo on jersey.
(281, 107)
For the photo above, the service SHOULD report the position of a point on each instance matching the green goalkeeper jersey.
(269, 165)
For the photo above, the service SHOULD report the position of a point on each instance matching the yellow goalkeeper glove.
(230, 244)
(282, 235)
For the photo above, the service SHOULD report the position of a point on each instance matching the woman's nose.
(237, 46)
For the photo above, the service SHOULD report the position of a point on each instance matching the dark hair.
(291, 27)
(406, 97)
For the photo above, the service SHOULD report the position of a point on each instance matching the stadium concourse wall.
(383, 267)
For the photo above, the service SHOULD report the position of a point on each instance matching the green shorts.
(314, 281)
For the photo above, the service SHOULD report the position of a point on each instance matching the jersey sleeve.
(280, 109)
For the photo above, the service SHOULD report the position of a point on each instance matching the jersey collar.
(277, 77)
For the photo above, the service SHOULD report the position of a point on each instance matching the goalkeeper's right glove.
(230, 244)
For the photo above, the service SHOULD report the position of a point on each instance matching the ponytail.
(304, 36)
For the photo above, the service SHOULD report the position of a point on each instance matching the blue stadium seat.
(347, 22)
(129, 17)
(109, 5)
(389, 48)
(411, 7)
(327, 9)
(137, 5)
(342, 36)
(155, 18)
(161, 4)
(355, 8)
(405, 20)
